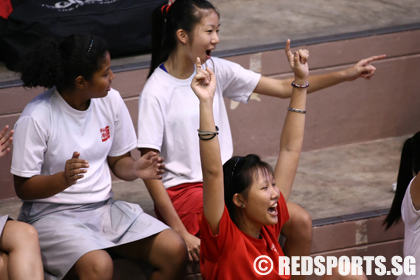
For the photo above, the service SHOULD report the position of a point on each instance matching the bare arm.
(293, 129)
(149, 166)
(282, 89)
(204, 86)
(44, 186)
(165, 207)
(415, 192)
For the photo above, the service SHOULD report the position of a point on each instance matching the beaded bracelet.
(296, 110)
(207, 133)
(300, 86)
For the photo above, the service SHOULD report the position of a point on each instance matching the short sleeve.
(237, 83)
(150, 127)
(213, 247)
(125, 135)
(409, 214)
(29, 146)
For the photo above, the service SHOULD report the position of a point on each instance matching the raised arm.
(292, 135)
(204, 86)
(281, 88)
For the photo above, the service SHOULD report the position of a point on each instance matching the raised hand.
(149, 166)
(74, 169)
(204, 82)
(5, 141)
(363, 68)
(298, 61)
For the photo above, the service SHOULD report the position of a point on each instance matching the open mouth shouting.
(273, 209)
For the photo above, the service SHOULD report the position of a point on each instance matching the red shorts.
(188, 203)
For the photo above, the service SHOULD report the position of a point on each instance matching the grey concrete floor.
(329, 182)
(249, 23)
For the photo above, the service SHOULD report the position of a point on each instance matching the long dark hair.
(238, 175)
(182, 14)
(53, 63)
(409, 165)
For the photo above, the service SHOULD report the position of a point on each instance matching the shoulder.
(113, 96)
(157, 83)
(222, 64)
(40, 106)
(112, 100)
(407, 206)
(37, 114)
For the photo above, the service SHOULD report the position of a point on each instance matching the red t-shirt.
(231, 254)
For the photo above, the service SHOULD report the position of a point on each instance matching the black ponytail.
(40, 66)
(409, 165)
(58, 64)
(182, 14)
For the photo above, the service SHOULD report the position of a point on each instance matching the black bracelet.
(300, 86)
(205, 139)
(207, 133)
(296, 110)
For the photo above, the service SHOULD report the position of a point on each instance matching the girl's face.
(261, 202)
(101, 80)
(205, 38)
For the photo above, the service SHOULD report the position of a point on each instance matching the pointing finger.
(288, 51)
(376, 57)
(198, 63)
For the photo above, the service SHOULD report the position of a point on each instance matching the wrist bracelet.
(296, 110)
(212, 134)
(300, 86)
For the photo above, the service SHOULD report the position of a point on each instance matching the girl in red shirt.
(243, 207)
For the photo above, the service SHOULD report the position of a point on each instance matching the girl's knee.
(177, 248)
(23, 230)
(172, 251)
(96, 264)
(305, 222)
(4, 260)
(302, 223)
(30, 232)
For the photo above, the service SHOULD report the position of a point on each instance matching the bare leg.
(4, 260)
(20, 241)
(165, 251)
(298, 233)
(94, 265)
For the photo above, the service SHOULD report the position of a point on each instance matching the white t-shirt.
(50, 130)
(169, 117)
(411, 218)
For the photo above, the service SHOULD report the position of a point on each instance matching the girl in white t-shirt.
(168, 112)
(66, 141)
(406, 203)
(20, 256)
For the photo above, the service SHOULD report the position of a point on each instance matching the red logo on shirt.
(273, 248)
(105, 134)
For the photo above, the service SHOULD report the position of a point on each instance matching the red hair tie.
(166, 7)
